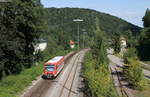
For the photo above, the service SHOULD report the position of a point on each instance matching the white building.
(123, 44)
(39, 47)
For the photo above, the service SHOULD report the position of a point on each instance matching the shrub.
(142, 85)
(98, 82)
(130, 53)
(133, 72)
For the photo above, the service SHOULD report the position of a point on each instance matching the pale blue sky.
(129, 10)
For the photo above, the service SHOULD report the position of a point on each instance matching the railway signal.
(72, 44)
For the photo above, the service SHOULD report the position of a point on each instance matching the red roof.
(71, 42)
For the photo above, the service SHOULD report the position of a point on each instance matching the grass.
(144, 93)
(13, 85)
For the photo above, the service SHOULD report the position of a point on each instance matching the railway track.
(40, 91)
(62, 85)
(121, 89)
(75, 64)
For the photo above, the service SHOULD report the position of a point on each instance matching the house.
(41, 46)
(123, 45)
(123, 42)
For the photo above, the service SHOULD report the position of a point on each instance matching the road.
(67, 83)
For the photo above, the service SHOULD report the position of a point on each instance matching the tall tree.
(98, 48)
(144, 41)
(146, 18)
(144, 44)
(29, 25)
(116, 42)
(20, 23)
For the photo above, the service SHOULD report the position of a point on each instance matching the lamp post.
(78, 30)
(84, 33)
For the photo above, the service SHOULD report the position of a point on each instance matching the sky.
(129, 10)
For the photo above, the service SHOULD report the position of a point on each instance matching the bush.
(142, 85)
(133, 72)
(13, 84)
(130, 53)
(97, 81)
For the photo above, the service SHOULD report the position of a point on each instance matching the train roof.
(55, 59)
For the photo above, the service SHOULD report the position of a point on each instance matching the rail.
(70, 91)
(124, 92)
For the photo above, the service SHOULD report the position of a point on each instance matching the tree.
(144, 40)
(116, 42)
(61, 20)
(98, 48)
(144, 45)
(29, 25)
(132, 40)
(133, 72)
(21, 25)
(146, 18)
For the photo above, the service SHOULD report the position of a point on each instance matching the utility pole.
(84, 33)
(78, 30)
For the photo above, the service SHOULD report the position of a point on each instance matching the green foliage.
(133, 69)
(144, 45)
(116, 42)
(21, 25)
(144, 39)
(13, 85)
(133, 73)
(24, 21)
(130, 53)
(96, 73)
(98, 82)
(62, 28)
(132, 40)
(146, 18)
(98, 47)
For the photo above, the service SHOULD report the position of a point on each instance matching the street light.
(84, 33)
(78, 29)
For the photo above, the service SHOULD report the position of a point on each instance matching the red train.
(53, 67)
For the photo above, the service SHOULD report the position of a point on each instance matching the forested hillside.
(24, 22)
(62, 27)
(27, 21)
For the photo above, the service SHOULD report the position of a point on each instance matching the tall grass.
(13, 84)
(133, 70)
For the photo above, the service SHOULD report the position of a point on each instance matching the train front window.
(49, 68)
